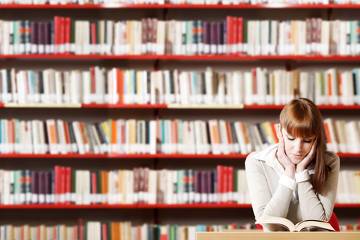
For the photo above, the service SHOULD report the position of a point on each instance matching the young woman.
(297, 178)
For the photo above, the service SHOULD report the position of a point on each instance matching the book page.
(313, 225)
(276, 223)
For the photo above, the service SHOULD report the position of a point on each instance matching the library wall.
(94, 116)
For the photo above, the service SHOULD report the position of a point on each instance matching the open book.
(283, 224)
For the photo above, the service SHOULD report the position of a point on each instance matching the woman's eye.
(307, 141)
(291, 139)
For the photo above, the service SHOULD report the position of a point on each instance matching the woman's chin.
(296, 160)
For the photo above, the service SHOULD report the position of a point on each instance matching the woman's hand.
(282, 157)
(307, 159)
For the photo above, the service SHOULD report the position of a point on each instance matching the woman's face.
(296, 148)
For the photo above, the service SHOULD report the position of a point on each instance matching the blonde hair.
(301, 118)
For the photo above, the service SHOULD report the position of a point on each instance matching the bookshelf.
(150, 206)
(65, 60)
(232, 58)
(179, 6)
(238, 157)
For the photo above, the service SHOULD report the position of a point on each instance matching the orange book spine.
(120, 85)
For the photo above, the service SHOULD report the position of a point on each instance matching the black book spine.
(71, 133)
(46, 186)
(33, 32)
(261, 133)
(233, 133)
(172, 85)
(22, 32)
(8, 79)
(46, 34)
(39, 34)
(27, 186)
(147, 132)
(100, 134)
(33, 186)
(46, 134)
(41, 82)
(355, 83)
(213, 37)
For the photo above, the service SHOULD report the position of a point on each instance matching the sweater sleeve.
(262, 200)
(319, 206)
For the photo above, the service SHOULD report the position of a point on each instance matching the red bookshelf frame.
(140, 156)
(165, 106)
(126, 106)
(321, 107)
(149, 206)
(125, 156)
(229, 57)
(179, 6)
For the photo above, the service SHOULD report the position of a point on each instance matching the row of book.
(234, 35)
(132, 136)
(342, 136)
(96, 85)
(348, 190)
(350, 227)
(254, 86)
(160, 2)
(111, 230)
(140, 185)
(66, 185)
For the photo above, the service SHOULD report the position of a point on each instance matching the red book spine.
(219, 182)
(67, 33)
(81, 230)
(234, 30)
(56, 31)
(239, 29)
(67, 134)
(57, 183)
(330, 87)
(231, 181)
(62, 182)
(225, 182)
(163, 236)
(229, 136)
(327, 132)
(75, 232)
(93, 34)
(230, 34)
(68, 184)
(254, 82)
(92, 82)
(11, 128)
(22, 232)
(61, 31)
(339, 84)
(93, 183)
(104, 231)
(38, 233)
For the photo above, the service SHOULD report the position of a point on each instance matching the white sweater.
(275, 194)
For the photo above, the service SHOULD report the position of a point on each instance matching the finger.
(313, 148)
(279, 134)
(312, 151)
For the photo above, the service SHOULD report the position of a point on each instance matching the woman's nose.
(298, 145)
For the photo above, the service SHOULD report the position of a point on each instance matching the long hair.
(301, 118)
